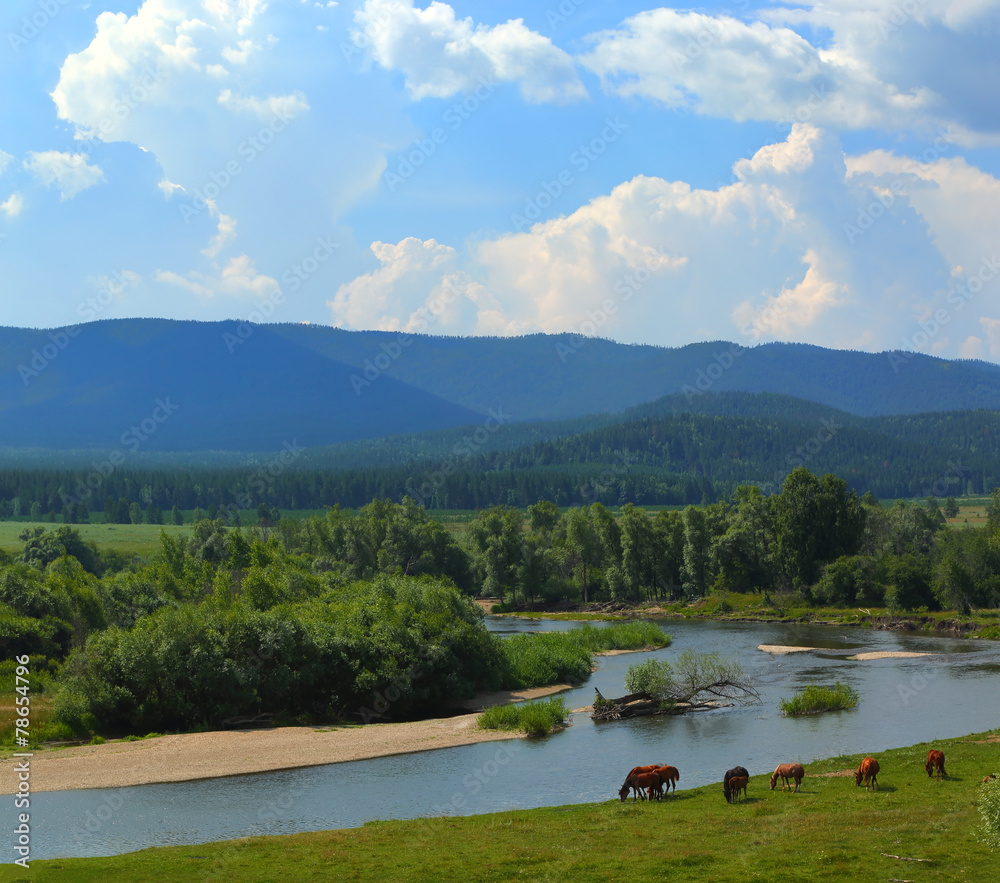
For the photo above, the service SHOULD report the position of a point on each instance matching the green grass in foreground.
(533, 718)
(831, 831)
(813, 699)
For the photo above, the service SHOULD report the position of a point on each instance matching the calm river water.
(903, 701)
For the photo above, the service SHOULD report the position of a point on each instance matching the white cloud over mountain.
(804, 245)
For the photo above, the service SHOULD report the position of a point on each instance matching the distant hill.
(194, 393)
(229, 387)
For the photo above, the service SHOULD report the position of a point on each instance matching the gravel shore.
(188, 756)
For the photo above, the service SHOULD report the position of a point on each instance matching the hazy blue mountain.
(196, 392)
(226, 386)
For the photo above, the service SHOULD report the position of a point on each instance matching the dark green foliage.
(41, 548)
(850, 580)
(395, 644)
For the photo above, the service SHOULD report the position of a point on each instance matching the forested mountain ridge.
(239, 387)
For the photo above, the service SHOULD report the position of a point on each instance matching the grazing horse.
(867, 771)
(786, 771)
(935, 763)
(636, 770)
(669, 776)
(735, 771)
(639, 782)
(737, 784)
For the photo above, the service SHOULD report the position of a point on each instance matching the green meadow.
(133, 539)
(830, 831)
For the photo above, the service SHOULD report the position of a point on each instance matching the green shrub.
(621, 636)
(534, 718)
(544, 658)
(815, 699)
(653, 676)
(989, 809)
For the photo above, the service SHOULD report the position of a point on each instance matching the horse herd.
(648, 781)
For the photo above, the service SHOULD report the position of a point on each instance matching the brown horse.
(648, 782)
(867, 771)
(786, 771)
(669, 776)
(737, 784)
(636, 770)
(735, 771)
(935, 763)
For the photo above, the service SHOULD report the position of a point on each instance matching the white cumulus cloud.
(69, 173)
(884, 67)
(12, 206)
(441, 55)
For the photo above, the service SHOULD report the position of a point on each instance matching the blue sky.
(826, 172)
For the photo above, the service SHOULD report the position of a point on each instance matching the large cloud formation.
(805, 244)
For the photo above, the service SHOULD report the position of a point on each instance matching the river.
(903, 701)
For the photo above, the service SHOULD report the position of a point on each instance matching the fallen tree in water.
(695, 682)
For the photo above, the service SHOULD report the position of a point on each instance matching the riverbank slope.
(830, 831)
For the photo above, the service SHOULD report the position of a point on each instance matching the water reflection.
(903, 701)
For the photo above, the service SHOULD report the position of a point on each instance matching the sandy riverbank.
(189, 756)
(780, 650)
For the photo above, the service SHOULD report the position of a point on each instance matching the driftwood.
(643, 705)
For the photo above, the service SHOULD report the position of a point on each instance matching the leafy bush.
(534, 718)
(653, 676)
(692, 677)
(396, 643)
(813, 699)
(989, 809)
(544, 658)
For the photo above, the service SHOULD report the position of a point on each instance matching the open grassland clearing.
(133, 539)
(830, 831)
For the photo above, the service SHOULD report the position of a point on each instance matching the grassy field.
(830, 831)
(136, 539)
